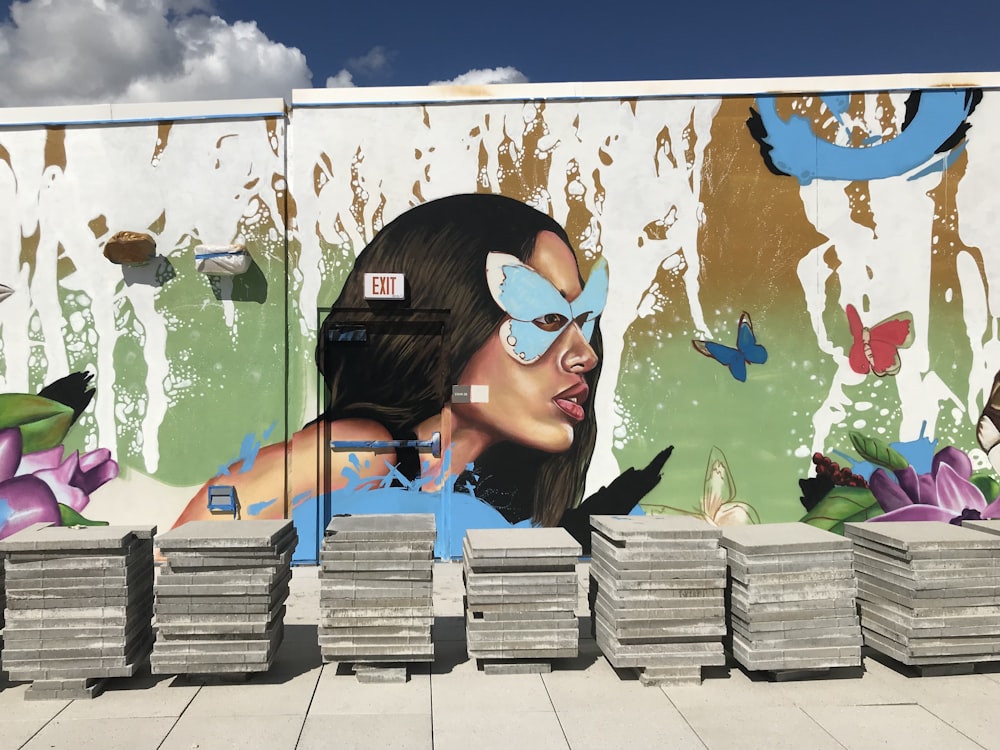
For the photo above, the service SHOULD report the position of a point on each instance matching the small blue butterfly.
(747, 350)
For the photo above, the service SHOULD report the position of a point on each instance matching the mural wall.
(792, 282)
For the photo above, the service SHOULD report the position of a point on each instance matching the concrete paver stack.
(376, 593)
(657, 595)
(220, 597)
(521, 591)
(79, 607)
(929, 592)
(791, 598)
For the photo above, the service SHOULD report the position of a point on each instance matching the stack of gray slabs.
(521, 592)
(79, 607)
(928, 591)
(657, 589)
(220, 597)
(376, 593)
(791, 594)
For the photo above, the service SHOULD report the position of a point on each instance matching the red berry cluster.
(841, 477)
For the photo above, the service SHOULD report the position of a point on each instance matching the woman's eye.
(550, 321)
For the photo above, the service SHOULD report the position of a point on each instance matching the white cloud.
(95, 51)
(343, 80)
(484, 77)
(376, 60)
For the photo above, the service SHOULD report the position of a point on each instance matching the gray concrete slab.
(582, 703)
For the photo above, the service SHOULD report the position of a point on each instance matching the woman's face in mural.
(535, 370)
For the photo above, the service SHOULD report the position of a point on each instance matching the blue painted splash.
(6, 512)
(797, 151)
(919, 453)
(255, 508)
(249, 449)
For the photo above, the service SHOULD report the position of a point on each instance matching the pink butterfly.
(876, 348)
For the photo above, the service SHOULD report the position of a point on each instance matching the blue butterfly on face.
(538, 312)
(747, 350)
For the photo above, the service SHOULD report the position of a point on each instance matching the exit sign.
(384, 286)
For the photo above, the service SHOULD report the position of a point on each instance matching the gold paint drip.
(659, 228)
(284, 199)
(579, 218)
(377, 214)
(55, 147)
(29, 247)
(743, 258)
(272, 135)
(523, 173)
(859, 200)
(417, 194)
(427, 117)
(690, 138)
(483, 170)
(162, 137)
(99, 226)
(665, 147)
(64, 264)
(599, 192)
(322, 173)
(360, 199)
(157, 226)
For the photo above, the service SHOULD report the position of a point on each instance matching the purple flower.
(33, 486)
(945, 494)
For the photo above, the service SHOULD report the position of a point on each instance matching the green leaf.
(987, 483)
(843, 505)
(71, 518)
(43, 422)
(878, 452)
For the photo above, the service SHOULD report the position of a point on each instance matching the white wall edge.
(400, 95)
(86, 114)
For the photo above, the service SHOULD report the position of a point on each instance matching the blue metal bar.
(434, 444)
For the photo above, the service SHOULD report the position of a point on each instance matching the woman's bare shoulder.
(358, 429)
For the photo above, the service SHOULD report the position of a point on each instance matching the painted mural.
(795, 294)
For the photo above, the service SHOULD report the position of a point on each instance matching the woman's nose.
(579, 355)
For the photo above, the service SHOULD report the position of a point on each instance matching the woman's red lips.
(571, 401)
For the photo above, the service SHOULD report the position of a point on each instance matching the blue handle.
(434, 444)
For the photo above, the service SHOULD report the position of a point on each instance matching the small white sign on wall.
(384, 286)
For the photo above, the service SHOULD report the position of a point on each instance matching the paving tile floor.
(303, 704)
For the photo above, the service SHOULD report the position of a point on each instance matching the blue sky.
(98, 51)
(630, 39)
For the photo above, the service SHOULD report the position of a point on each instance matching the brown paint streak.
(162, 137)
(483, 170)
(690, 138)
(578, 219)
(947, 244)
(378, 213)
(29, 247)
(756, 230)
(157, 226)
(658, 229)
(664, 147)
(322, 173)
(599, 192)
(282, 197)
(360, 199)
(859, 200)
(99, 226)
(523, 172)
(55, 147)
(886, 112)
(417, 194)
(427, 117)
(272, 135)
(64, 264)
